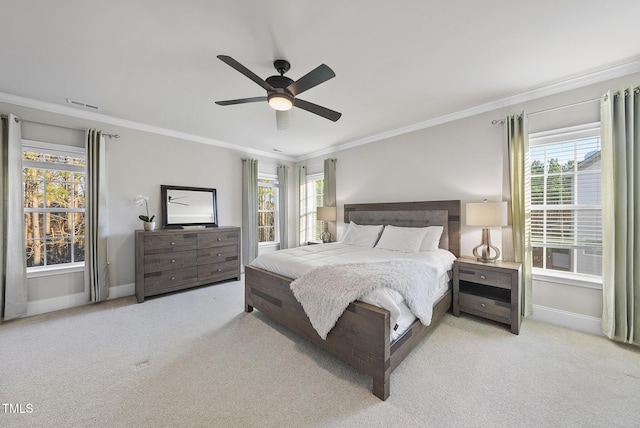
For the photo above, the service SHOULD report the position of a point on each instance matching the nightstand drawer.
(484, 276)
(484, 305)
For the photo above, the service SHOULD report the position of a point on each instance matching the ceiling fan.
(282, 92)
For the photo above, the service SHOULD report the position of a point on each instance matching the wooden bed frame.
(361, 335)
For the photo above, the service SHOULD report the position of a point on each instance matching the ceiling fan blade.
(282, 119)
(244, 70)
(318, 75)
(316, 109)
(241, 101)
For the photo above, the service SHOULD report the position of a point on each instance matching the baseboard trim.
(43, 306)
(37, 307)
(567, 319)
(124, 290)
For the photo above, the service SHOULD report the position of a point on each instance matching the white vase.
(149, 225)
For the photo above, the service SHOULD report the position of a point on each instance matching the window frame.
(589, 130)
(276, 186)
(310, 206)
(61, 150)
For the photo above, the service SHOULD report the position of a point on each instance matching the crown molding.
(110, 120)
(545, 91)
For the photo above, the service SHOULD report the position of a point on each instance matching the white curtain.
(249, 210)
(302, 188)
(519, 179)
(283, 205)
(13, 275)
(620, 124)
(330, 190)
(96, 269)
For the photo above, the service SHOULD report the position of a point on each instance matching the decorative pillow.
(404, 239)
(431, 241)
(361, 235)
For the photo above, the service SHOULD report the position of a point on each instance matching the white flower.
(139, 200)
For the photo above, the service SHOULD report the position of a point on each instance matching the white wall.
(467, 160)
(464, 159)
(137, 163)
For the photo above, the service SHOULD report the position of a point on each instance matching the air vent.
(81, 104)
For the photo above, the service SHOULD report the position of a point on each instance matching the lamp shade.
(326, 213)
(487, 214)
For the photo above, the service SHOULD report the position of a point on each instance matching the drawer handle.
(219, 239)
(483, 277)
(172, 278)
(219, 255)
(173, 243)
(219, 270)
(484, 305)
(173, 260)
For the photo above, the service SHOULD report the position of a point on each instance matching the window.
(268, 210)
(312, 196)
(54, 201)
(565, 192)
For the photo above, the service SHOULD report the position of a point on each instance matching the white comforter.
(326, 291)
(295, 262)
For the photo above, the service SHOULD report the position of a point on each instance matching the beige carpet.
(194, 359)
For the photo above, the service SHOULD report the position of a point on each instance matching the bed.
(361, 336)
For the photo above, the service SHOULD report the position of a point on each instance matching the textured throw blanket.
(326, 291)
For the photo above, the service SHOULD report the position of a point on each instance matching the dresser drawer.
(484, 305)
(166, 243)
(484, 276)
(218, 238)
(217, 271)
(158, 282)
(217, 254)
(169, 261)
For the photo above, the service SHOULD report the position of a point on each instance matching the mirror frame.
(165, 206)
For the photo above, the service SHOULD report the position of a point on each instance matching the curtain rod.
(63, 127)
(501, 121)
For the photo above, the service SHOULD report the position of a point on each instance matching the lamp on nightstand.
(486, 214)
(326, 214)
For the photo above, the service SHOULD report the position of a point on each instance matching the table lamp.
(326, 214)
(486, 214)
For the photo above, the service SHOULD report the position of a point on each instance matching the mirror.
(188, 206)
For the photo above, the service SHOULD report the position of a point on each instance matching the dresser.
(176, 259)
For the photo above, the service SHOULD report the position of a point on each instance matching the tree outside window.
(54, 202)
(267, 210)
(566, 212)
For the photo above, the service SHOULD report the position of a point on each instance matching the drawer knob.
(172, 278)
(173, 243)
(173, 260)
(484, 305)
(483, 277)
(219, 270)
(219, 255)
(219, 239)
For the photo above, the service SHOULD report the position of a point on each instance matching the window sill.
(269, 245)
(564, 278)
(37, 272)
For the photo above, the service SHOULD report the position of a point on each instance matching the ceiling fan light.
(280, 102)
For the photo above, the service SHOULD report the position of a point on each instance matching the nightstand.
(488, 290)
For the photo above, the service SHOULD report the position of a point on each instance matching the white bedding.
(295, 262)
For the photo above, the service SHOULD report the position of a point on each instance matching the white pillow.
(361, 235)
(431, 241)
(404, 239)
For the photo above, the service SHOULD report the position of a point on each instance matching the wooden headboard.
(412, 214)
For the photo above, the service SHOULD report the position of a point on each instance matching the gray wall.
(467, 159)
(464, 159)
